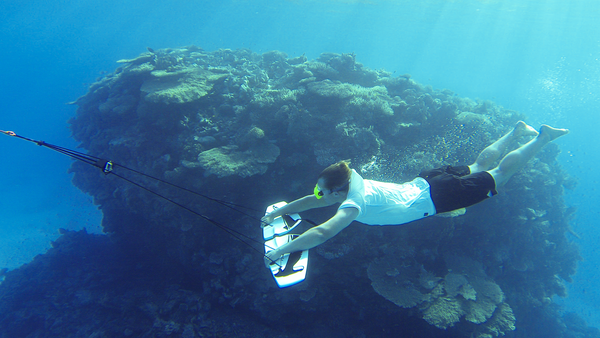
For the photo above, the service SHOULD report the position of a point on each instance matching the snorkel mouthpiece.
(318, 193)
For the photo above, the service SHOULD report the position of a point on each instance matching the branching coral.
(502, 322)
(464, 293)
(393, 281)
(443, 312)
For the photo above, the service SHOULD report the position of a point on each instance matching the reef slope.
(255, 129)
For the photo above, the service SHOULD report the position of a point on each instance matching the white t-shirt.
(380, 203)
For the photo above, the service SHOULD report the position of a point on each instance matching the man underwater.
(433, 192)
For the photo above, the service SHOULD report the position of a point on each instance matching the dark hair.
(336, 175)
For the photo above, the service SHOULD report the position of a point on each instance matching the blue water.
(540, 57)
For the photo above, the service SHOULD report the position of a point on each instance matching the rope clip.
(108, 167)
(9, 133)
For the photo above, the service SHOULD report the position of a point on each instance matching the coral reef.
(182, 86)
(228, 160)
(256, 129)
(466, 292)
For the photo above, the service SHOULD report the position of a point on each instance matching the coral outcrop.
(465, 292)
(228, 160)
(179, 86)
(254, 129)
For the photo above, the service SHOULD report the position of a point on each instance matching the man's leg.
(516, 159)
(489, 155)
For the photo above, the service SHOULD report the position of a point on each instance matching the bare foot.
(523, 129)
(552, 133)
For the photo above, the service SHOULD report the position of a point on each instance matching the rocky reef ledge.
(256, 129)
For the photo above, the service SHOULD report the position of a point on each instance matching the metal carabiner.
(108, 167)
(9, 133)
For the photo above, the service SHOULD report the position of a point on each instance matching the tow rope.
(108, 166)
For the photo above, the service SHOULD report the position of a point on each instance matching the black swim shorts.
(454, 187)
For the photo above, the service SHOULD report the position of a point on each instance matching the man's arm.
(316, 235)
(302, 204)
